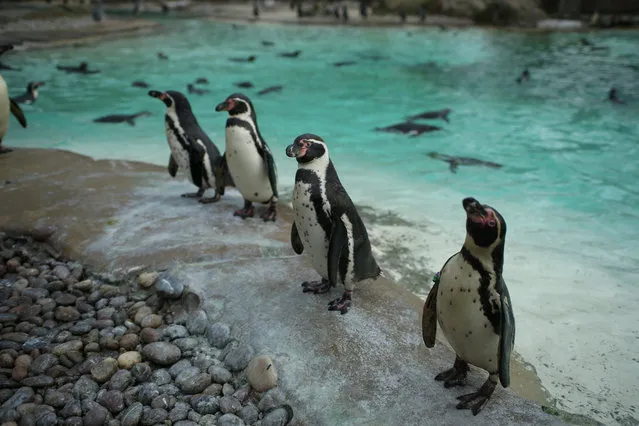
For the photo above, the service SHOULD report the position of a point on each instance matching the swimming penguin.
(344, 63)
(83, 68)
(244, 84)
(470, 301)
(121, 118)
(294, 54)
(191, 149)
(613, 97)
(249, 158)
(139, 83)
(442, 113)
(271, 89)
(251, 58)
(7, 104)
(202, 80)
(525, 76)
(408, 128)
(327, 225)
(163, 56)
(30, 95)
(194, 90)
(454, 161)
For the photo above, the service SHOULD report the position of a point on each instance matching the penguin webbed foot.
(270, 214)
(208, 200)
(478, 400)
(4, 150)
(455, 376)
(317, 287)
(247, 211)
(197, 194)
(341, 304)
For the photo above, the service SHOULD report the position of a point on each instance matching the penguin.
(7, 104)
(327, 225)
(470, 301)
(191, 148)
(31, 94)
(249, 159)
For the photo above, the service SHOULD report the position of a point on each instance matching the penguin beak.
(156, 94)
(227, 105)
(473, 207)
(292, 150)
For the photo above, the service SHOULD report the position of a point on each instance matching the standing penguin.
(470, 301)
(327, 225)
(249, 158)
(191, 148)
(31, 94)
(7, 104)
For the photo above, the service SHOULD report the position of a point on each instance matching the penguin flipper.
(17, 112)
(272, 171)
(173, 166)
(429, 317)
(507, 335)
(335, 247)
(296, 241)
(196, 161)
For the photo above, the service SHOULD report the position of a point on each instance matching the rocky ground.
(133, 347)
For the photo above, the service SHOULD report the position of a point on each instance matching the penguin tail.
(131, 122)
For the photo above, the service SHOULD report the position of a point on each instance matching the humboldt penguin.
(327, 225)
(83, 68)
(31, 94)
(470, 301)
(250, 161)
(122, 118)
(191, 149)
(7, 104)
(408, 128)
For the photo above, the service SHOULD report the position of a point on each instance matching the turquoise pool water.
(567, 188)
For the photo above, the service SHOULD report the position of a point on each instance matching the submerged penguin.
(327, 225)
(31, 94)
(249, 158)
(7, 104)
(191, 148)
(470, 301)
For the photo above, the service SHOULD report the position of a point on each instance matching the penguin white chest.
(4, 108)
(247, 167)
(180, 155)
(460, 314)
(311, 232)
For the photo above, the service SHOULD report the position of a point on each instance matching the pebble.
(149, 335)
(96, 416)
(61, 272)
(56, 398)
(197, 322)
(121, 380)
(141, 372)
(129, 342)
(161, 377)
(186, 343)
(230, 420)
(151, 321)
(179, 411)
(72, 408)
(261, 373)
(64, 348)
(147, 279)
(102, 371)
(43, 363)
(249, 414)
(21, 396)
(205, 404)
(67, 314)
(154, 416)
(147, 392)
(278, 417)
(112, 401)
(175, 331)
(218, 335)
(85, 388)
(180, 366)
(237, 359)
(162, 353)
(220, 374)
(37, 381)
(169, 289)
(132, 415)
(164, 401)
(185, 423)
(228, 404)
(129, 359)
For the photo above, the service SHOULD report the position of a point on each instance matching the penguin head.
(306, 148)
(172, 99)
(33, 86)
(485, 227)
(236, 104)
(83, 66)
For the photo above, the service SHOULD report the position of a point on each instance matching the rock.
(21, 368)
(74, 421)
(230, 420)
(35, 293)
(56, 398)
(61, 272)
(169, 389)
(227, 389)
(161, 377)
(237, 359)
(228, 404)
(112, 401)
(149, 335)
(72, 408)
(186, 343)
(205, 404)
(85, 388)
(37, 381)
(214, 389)
(121, 380)
(132, 415)
(242, 394)
(280, 416)
(249, 414)
(175, 331)
(65, 299)
(43, 363)
(131, 395)
(13, 264)
(92, 347)
(105, 313)
(220, 374)
(271, 399)
(161, 353)
(129, 342)
(154, 416)
(197, 322)
(129, 359)
(194, 384)
(151, 321)
(96, 416)
(64, 348)
(21, 396)
(147, 279)
(102, 371)
(164, 401)
(141, 372)
(208, 420)
(169, 289)
(82, 327)
(147, 392)
(35, 343)
(185, 423)
(261, 373)
(179, 412)
(218, 335)
(179, 367)
(84, 286)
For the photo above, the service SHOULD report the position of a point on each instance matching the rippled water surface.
(567, 189)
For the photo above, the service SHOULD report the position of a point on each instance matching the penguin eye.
(492, 223)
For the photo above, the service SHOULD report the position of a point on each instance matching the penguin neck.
(245, 116)
(317, 165)
(491, 257)
(34, 93)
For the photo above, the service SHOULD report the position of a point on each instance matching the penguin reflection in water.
(250, 161)
(327, 225)
(191, 148)
(470, 301)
